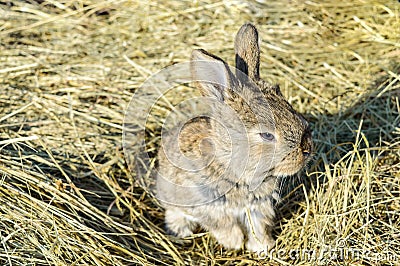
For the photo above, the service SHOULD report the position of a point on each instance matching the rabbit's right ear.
(211, 74)
(247, 52)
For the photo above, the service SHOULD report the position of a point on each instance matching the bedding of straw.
(68, 70)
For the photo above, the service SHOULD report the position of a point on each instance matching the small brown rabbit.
(220, 171)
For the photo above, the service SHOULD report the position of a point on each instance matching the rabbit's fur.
(217, 170)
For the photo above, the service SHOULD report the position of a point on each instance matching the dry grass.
(66, 195)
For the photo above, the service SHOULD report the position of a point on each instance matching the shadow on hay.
(335, 135)
(94, 190)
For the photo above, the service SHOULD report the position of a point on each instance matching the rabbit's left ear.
(211, 74)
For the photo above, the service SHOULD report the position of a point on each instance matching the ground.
(68, 70)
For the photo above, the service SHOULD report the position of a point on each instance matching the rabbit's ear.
(211, 74)
(247, 52)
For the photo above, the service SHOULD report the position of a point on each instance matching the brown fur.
(217, 171)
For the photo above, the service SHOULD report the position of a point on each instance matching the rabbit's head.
(278, 138)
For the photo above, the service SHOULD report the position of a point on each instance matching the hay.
(69, 68)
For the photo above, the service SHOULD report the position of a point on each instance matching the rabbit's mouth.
(286, 171)
(291, 165)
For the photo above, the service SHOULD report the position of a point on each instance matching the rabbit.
(221, 170)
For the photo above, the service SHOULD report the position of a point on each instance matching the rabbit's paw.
(260, 245)
(178, 224)
(230, 238)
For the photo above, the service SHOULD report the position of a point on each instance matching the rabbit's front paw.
(178, 224)
(230, 238)
(260, 245)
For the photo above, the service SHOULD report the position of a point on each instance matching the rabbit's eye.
(267, 136)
